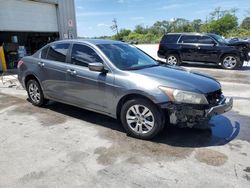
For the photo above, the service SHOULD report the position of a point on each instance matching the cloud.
(80, 7)
(97, 13)
(138, 18)
(172, 6)
(102, 25)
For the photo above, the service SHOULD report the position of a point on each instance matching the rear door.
(52, 72)
(207, 49)
(90, 89)
(188, 47)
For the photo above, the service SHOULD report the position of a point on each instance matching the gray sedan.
(121, 81)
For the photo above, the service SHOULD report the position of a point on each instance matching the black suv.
(207, 47)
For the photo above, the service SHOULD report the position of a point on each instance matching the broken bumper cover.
(225, 105)
(189, 115)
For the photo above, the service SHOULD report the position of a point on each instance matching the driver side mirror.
(97, 67)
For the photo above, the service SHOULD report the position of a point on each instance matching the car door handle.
(71, 71)
(41, 64)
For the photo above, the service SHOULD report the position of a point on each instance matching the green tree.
(223, 25)
(140, 29)
(246, 23)
(196, 25)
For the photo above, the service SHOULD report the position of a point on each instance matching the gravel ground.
(64, 146)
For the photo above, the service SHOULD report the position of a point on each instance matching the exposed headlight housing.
(181, 96)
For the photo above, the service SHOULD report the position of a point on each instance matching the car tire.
(35, 93)
(231, 62)
(141, 118)
(173, 59)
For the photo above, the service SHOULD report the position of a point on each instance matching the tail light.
(19, 64)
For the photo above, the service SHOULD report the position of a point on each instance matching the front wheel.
(231, 62)
(173, 59)
(141, 118)
(35, 93)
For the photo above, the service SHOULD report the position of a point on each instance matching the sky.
(94, 17)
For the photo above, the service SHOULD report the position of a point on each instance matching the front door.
(89, 89)
(207, 49)
(52, 70)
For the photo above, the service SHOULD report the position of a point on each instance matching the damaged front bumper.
(224, 105)
(188, 115)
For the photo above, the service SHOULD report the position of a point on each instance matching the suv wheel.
(35, 93)
(173, 59)
(141, 118)
(231, 62)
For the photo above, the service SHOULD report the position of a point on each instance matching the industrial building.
(27, 25)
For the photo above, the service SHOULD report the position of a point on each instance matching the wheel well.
(29, 77)
(223, 55)
(126, 98)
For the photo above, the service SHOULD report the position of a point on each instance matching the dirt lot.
(64, 146)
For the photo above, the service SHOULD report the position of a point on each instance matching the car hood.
(179, 78)
(240, 43)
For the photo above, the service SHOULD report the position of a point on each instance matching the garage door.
(25, 15)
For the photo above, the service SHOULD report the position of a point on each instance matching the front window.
(83, 55)
(205, 40)
(219, 39)
(127, 57)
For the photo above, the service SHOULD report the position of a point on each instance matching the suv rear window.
(170, 39)
(58, 52)
(189, 39)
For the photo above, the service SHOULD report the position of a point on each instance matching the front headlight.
(181, 96)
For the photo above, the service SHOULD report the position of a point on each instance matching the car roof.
(91, 41)
(189, 33)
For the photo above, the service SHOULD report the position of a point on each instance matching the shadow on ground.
(210, 66)
(221, 132)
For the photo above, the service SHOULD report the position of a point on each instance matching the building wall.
(67, 19)
(28, 16)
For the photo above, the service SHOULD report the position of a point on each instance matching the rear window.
(170, 39)
(58, 52)
(189, 39)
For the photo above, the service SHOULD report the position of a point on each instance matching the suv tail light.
(19, 64)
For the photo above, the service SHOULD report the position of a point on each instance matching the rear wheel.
(141, 118)
(231, 62)
(173, 59)
(35, 93)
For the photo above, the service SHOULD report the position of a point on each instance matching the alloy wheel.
(172, 60)
(34, 93)
(229, 62)
(140, 119)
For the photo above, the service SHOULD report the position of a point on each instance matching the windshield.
(127, 57)
(219, 39)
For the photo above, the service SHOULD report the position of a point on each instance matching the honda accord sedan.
(121, 81)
